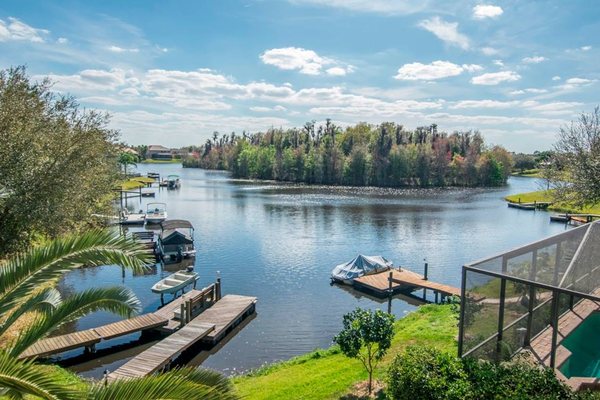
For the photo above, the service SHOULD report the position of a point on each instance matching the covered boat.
(176, 240)
(173, 182)
(359, 266)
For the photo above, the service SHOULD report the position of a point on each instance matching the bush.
(426, 373)
(422, 373)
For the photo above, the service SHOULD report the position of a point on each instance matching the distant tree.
(367, 335)
(126, 159)
(574, 170)
(524, 162)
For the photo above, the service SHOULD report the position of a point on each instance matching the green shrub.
(427, 373)
(422, 373)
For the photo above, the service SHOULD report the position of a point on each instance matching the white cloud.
(435, 70)
(499, 63)
(18, 30)
(556, 78)
(494, 78)
(528, 90)
(446, 31)
(534, 60)
(62, 40)
(388, 7)
(268, 109)
(117, 49)
(575, 83)
(484, 104)
(305, 61)
(482, 11)
(489, 51)
(586, 48)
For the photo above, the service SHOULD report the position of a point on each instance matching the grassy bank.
(530, 173)
(328, 374)
(546, 196)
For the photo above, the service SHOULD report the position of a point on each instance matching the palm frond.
(44, 301)
(182, 384)
(24, 377)
(20, 275)
(118, 300)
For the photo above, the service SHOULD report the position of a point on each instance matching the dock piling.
(390, 292)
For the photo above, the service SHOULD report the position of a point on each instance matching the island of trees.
(360, 155)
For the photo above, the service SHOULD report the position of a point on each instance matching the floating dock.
(89, 338)
(530, 206)
(191, 314)
(208, 327)
(384, 283)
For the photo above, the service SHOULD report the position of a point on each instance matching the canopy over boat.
(176, 223)
(361, 265)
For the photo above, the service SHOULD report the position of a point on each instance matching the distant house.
(158, 152)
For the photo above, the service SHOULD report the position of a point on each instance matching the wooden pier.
(90, 337)
(210, 326)
(163, 353)
(530, 206)
(397, 280)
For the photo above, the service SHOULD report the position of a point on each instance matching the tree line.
(360, 155)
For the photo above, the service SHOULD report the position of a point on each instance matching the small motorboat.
(173, 182)
(127, 218)
(156, 213)
(175, 282)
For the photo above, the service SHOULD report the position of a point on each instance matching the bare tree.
(574, 170)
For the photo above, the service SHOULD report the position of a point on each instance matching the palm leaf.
(184, 384)
(43, 301)
(22, 274)
(24, 377)
(118, 300)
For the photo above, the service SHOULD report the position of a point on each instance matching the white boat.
(359, 266)
(175, 282)
(127, 218)
(156, 213)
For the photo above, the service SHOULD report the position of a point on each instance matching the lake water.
(279, 242)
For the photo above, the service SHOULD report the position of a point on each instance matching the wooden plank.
(224, 313)
(59, 344)
(402, 278)
(161, 354)
(135, 324)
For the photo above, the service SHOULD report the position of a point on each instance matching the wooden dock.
(530, 206)
(209, 327)
(402, 280)
(90, 337)
(163, 353)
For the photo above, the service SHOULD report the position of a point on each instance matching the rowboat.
(175, 282)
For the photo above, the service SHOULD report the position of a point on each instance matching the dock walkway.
(90, 337)
(161, 354)
(209, 327)
(403, 279)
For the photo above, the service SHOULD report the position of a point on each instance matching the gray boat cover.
(361, 265)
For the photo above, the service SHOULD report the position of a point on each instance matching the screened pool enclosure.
(531, 297)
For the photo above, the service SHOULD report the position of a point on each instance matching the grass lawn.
(328, 374)
(530, 173)
(136, 183)
(546, 195)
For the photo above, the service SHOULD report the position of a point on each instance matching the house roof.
(157, 147)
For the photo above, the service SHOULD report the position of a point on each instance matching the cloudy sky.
(172, 72)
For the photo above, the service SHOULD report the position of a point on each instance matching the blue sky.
(172, 72)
